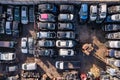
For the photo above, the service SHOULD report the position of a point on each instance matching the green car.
(17, 13)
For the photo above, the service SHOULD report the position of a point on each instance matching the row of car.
(27, 45)
(18, 13)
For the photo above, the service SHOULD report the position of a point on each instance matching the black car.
(66, 8)
(47, 7)
(31, 14)
(45, 52)
(46, 26)
(66, 26)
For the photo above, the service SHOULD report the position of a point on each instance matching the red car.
(47, 17)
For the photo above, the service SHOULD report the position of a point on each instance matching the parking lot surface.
(90, 47)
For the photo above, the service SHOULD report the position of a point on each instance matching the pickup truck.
(67, 65)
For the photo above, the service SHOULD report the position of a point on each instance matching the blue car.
(83, 13)
(113, 18)
(114, 53)
(47, 7)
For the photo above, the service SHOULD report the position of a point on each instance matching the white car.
(113, 44)
(43, 34)
(24, 47)
(6, 56)
(115, 17)
(93, 12)
(24, 15)
(11, 68)
(103, 10)
(65, 43)
(66, 52)
(29, 66)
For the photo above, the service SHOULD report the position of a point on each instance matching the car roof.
(84, 7)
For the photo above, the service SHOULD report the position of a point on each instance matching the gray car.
(115, 35)
(46, 43)
(66, 8)
(46, 26)
(114, 9)
(2, 25)
(65, 17)
(67, 34)
(111, 27)
(31, 45)
(66, 26)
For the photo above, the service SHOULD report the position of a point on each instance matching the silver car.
(115, 62)
(113, 44)
(65, 17)
(93, 12)
(43, 34)
(46, 43)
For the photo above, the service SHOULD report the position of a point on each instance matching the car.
(11, 68)
(47, 7)
(65, 43)
(66, 52)
(115, 35)
(49, 17)
(30, 45)
(113, 18)
(114, 53)
(65, 17)
(66, 8)
(115, 62)
(7, 56)
(29, 66)
(10, 13)
(31, 14)
(46, 43)
(44, 34)
(67, 34)
(7, 44)
(111, 27)
(113, 44)
(66, 26)
(8, 27)
(46, 26)
(15, 29)
(1, 10)
(105, 77)
(83, 13)
(45, 52)
(24, 43)
(12, 77)
(2, 26)
(93, 12)
(66, 65)
(24, 15)
(102, 10)
(114, 9)
(17, 13)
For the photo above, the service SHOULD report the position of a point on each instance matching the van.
(8, 28)
(7, 44)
